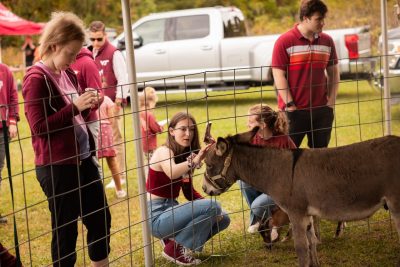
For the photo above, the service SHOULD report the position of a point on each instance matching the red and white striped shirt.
(305, 63)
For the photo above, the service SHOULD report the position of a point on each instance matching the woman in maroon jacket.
(63, 145)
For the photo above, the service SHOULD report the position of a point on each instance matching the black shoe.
(3, 219)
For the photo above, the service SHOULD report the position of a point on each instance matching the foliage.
(264, 16)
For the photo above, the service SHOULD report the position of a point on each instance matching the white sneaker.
(274, 234)
(253, 228)
(110, 184)
(121, 193)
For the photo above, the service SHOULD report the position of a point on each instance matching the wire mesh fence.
(359, 116)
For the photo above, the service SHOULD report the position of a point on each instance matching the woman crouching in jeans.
(181, 227)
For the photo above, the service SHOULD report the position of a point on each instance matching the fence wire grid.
(359, 116)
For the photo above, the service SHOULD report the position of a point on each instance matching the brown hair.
(276, 121)
(309, 7)
(97, 26)
(64, 27)
(180, 152)
(148, 99)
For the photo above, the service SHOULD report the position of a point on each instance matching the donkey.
(340, 184)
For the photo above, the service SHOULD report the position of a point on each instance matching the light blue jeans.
(190, 224)
(260, 204)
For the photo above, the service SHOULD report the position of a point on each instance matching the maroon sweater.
(8, 96)
(50, 119)
(88, 77)
(150, 129)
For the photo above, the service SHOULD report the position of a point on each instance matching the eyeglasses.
(96, 39)
(184, 129)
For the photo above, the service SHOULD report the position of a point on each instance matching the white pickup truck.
(210, 45)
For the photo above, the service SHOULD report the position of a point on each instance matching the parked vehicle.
(393, 55)
(210, 45)
(393, 77)
(393, 36)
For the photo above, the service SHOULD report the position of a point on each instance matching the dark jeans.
(73, 191)
(316, 124)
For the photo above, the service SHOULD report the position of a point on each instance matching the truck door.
(192, 50)
(152, 57)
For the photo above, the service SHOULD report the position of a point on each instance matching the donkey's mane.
(235, 141)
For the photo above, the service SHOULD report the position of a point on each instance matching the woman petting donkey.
(182, 228)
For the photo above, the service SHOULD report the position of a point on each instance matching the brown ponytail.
(276, 121)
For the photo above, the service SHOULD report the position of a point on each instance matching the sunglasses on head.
(96, 39)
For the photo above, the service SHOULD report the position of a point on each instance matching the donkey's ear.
(247, 136)
(221, 147)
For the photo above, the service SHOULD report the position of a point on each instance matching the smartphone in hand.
(207, 136)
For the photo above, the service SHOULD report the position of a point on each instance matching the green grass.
(359, 116)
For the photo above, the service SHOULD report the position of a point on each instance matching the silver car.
(393, 77)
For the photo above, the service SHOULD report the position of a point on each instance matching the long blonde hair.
(276, 121)
(63, 28)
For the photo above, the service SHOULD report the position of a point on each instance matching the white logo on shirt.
(104, 62)
(1, 85)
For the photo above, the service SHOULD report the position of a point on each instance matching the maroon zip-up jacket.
(88, 77)
(50, 119)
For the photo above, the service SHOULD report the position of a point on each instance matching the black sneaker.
(3, 219)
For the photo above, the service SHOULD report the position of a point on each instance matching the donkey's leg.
(301, 243)
(340, 229)
(316, 228)
(313, 241)
(394, 207)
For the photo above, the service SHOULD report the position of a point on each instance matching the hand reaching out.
(201, 155)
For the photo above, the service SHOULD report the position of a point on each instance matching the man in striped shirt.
(306, 75)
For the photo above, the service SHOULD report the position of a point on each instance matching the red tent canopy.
(11, 24)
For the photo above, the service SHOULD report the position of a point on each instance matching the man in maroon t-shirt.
(304, 65)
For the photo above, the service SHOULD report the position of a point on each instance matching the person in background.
(306, 75)
(106, 147)
(29, 49)
(36, 54)
(9, 110)
(56, 109)
(150, 127)
(88, 77)
(273, 132)
(113, 72)
(187, 226)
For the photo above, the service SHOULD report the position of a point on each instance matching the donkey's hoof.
(268, 246)
(340, 229)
